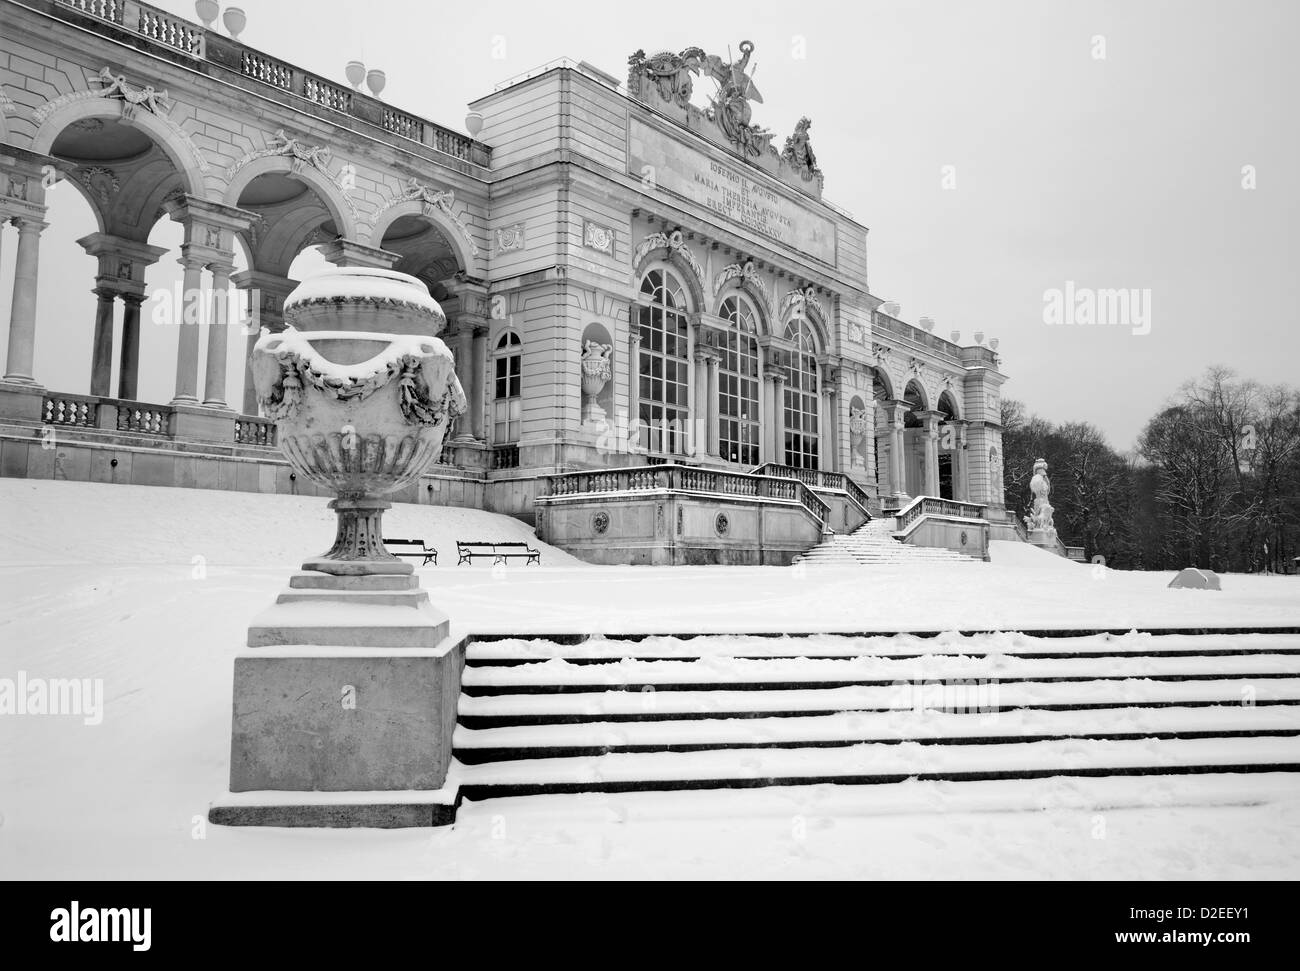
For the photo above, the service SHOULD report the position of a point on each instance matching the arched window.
(507, 403)
(662, 369)
(738, 385)
(801, 404)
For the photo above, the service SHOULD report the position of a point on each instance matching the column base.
(21, 399)
(195, 421)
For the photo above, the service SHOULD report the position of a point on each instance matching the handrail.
(923, 506)
(820, 480)
(178, 34)
(688, 478)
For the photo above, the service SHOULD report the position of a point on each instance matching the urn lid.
(361, 287)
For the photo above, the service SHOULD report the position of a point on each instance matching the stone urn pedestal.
(345, 696)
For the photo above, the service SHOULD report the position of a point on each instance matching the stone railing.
(923, 506)
(70, 409)
(505, 457)
(135, 416)
(817, 479)
(883, 322)
(139, 19)
(254, 431)
(671, 477)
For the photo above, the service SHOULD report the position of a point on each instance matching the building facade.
(632, 279)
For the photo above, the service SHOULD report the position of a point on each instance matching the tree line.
(1214, 481)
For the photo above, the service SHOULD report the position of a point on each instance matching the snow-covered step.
(556, 675)
(876, 763)
(974, 696)
(601, 650)
(842, 729)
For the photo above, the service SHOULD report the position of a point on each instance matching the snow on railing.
(818, 479)
(671, 477)
(923, 506)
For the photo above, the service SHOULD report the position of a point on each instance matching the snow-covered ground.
(152, 591)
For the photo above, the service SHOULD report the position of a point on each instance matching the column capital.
(191, 261)
(209, 225)
(133, 299)
(29, 224)
(106, 292)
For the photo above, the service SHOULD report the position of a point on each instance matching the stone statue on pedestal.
(1039, 521)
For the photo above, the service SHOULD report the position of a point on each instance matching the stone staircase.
(738, 711)
(872, 543)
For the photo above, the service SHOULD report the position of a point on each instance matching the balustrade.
(254, 431)
(179, 34)
(133, 416)
(66, 409)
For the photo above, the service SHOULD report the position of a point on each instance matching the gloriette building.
(665, 331)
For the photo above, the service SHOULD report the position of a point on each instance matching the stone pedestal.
(345, 698)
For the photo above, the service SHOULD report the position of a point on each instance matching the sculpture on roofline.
(798, 153)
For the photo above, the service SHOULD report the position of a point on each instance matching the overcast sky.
(1122, 171)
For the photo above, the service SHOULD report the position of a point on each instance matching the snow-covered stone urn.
(361, 390)
(597, 370)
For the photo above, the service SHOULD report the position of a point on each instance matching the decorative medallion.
(721, 524)
(598, 237)
(17, 188)
(510, 238)
(679, 520)
(963, 537)
(600, 522)
(101, 182)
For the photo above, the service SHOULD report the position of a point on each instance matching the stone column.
(187, 341)
(777, 412)
(960, 488)
(712, 409)
(930, 419)
(828, 454)
(214, 382)
(101, 358)
(477, 404)
(464, 355)
(266, 294)
(633, 434)
(894, 413)
(22, 317)
(128, 372)
(699, 406)
(869, 440)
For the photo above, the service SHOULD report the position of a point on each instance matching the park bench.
(413, 547)
(500, 552)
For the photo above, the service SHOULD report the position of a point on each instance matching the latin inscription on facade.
(726, 190)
